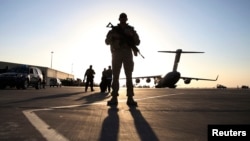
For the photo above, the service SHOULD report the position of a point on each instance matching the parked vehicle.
(21, 76)
(55, 82)
(244, 87)
(219, 86)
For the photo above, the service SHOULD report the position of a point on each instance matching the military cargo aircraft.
(171, 78)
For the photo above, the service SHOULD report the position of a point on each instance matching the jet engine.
(148, 80)
(187, 81)
(137, 80)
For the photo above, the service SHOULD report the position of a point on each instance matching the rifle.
(133, 47)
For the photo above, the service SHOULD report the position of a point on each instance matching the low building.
(48, 72)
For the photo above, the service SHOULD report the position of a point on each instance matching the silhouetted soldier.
(44, 80)
(122, 39)
(109, 78)
(90, 78)
(103, 84)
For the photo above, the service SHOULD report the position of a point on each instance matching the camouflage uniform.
(121, 49)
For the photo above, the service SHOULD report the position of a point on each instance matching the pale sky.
(75, 31)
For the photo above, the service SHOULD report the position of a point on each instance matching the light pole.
(51, 58)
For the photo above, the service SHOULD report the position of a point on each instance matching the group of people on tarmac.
(106, 80)
(105, 84)
(123, 40)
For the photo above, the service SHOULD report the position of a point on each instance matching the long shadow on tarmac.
(143, 128)
(93, 97)
(90, 98)
(46, 97)
(110, 126)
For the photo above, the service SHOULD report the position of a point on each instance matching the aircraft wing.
(190, 78)
(151, 76)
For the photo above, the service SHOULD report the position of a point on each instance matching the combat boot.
(131, 102)
(113, 101)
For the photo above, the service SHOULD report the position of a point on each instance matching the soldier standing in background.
(109, 78)
(103, 84)
(90, 78)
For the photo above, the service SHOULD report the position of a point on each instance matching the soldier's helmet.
(123, 16)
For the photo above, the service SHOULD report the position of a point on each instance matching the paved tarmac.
(70, 114)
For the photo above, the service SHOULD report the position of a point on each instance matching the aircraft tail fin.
(178, 55)
(180, 51)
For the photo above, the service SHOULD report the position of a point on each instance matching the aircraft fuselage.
(169, 80)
